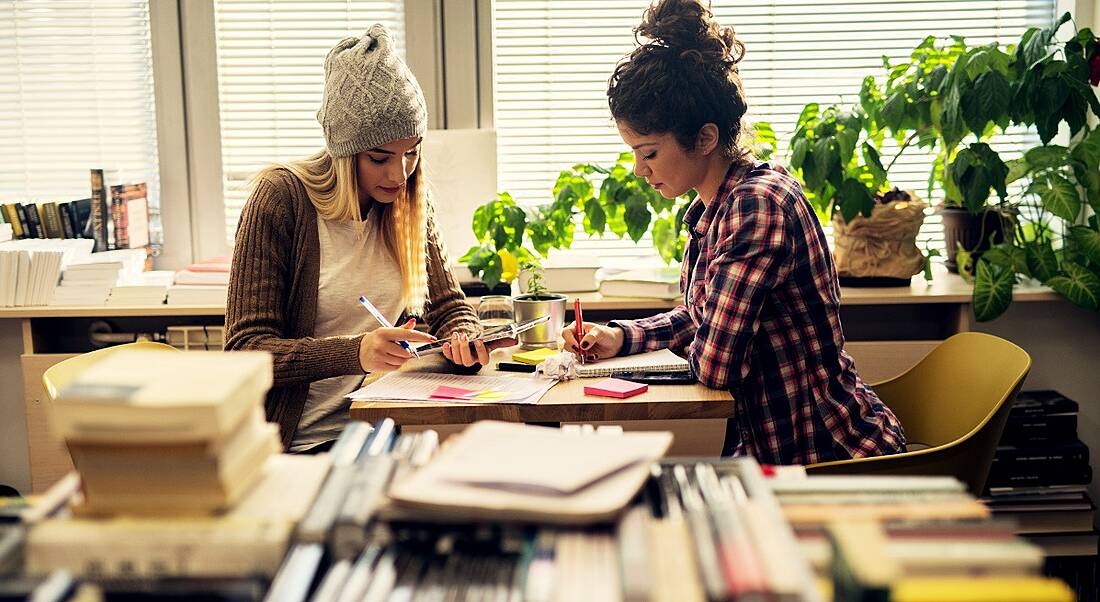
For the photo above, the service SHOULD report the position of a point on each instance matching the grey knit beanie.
(371, 97)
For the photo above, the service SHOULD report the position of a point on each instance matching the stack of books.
(159, 433)
(651, 283)
(146, 288)
(203, 283)
(89, 280)
(909, 538)
(29, 269)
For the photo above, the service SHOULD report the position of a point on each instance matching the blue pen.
(386, 323)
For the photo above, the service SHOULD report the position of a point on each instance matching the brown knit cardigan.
(272, 303)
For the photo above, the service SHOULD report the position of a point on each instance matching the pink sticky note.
(447, 392)
(616, 387)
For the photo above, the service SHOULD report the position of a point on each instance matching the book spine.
(1043, 476)
(35, 221)
(1057, 427)
(1042, 454)
(66, 218)
(115, 229)
(100, 213)
(53, 220)
(13, 218)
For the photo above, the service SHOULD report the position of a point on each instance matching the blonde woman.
(351, 220)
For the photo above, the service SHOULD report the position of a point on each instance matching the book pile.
(146, 288)
(154, 433)
(89, 280)
(909, 538)
(29, 269)
(47, 220)
(1039, 480)
(203, 283)
(653, 283)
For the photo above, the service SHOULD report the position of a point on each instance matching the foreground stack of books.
(157, 433)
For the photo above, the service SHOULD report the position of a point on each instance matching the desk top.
(944, 288)
(565, 402)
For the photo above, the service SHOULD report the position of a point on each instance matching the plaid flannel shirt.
(760, 318)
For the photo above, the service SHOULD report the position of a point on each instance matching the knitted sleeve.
(256, 310)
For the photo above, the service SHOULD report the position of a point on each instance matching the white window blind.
(271, 57)
(76, 93)
(553, 60)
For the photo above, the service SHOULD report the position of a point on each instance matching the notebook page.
(658, 361)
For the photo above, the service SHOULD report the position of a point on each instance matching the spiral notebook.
(653, 361)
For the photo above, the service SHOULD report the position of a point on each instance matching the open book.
(653, 361)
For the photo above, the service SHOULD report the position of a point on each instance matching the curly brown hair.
(684, 77)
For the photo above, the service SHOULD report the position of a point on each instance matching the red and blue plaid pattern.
(761, 318)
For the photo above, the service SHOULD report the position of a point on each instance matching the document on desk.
(433, 386)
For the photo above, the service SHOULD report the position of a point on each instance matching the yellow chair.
(57, 376)
(955, 401)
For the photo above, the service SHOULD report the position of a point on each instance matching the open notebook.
(653, 361)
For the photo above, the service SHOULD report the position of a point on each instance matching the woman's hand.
(599, 342)
(464, 353)
(381, 351)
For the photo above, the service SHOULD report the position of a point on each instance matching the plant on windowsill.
(605, 199)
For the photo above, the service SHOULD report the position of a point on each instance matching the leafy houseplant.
(605, 199)
(535, 303)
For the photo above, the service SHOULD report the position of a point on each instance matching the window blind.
(76, 93)
(271, 58)
(553, 60)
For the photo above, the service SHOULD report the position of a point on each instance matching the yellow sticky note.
(533, 357)
(489, 395)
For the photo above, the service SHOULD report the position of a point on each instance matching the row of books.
(114, 216)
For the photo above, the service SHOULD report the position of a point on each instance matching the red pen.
(578, 324)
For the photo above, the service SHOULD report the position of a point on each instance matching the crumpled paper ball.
(562, 366)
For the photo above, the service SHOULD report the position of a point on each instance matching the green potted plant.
(1047, 83)
(534, 303)
(837, 154)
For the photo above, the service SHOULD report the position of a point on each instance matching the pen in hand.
(578, 324)
(386, 324)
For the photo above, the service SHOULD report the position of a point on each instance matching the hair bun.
(688, 28)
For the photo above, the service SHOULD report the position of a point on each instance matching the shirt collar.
(699, 215)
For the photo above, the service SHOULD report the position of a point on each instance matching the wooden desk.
(694, 412)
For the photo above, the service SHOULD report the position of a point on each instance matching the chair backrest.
(57, 376)
(956, 400)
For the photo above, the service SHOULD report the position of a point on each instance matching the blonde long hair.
(332, 186)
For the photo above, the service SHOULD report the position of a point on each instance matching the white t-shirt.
(351, 265)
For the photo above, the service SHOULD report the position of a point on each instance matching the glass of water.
(494, 311)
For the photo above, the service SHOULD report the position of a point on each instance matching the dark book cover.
(66, 220)
(1052, 427)
(12, 218)
(1032, 403)
(101, 213)
(34, 221)
(52, 216)
(1063, 474)
(82, 217)
(1051, 453)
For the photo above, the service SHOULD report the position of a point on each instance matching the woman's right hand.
(599, 342)
(381, 351)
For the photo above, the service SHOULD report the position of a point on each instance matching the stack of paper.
(431, 386)
(29, 269)
(150, 437)
(506, 471)
(146, 288)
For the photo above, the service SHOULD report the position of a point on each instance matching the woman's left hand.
(464, 353)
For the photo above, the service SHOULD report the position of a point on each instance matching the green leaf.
(1017, 168)
(951, 121)
(595, 218)
(992, 290)
(1046, 157)
(874, 164)
(846, 143)
(1077, 284)
(1087, 150)
(1001, 256)
(663, 239)
(798, 152)
(1060, 197)
(1046, 101)
(853, 198)
(491, 271)
(766, 142)
(637, 218)
(808, 117)
(826, 159)
(986, 101)
(1088, 242)
(1042, 261)
(892, 113)
(974, 171)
